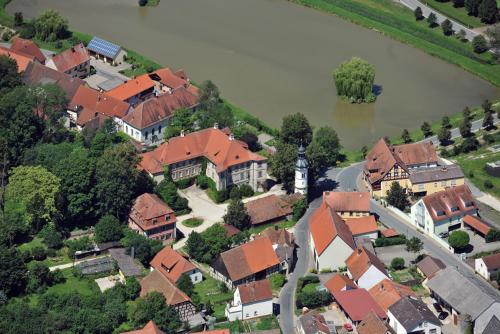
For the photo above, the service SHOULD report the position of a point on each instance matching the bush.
(143, 3)
(383, 242)
(246, 190)
(27, 31)
(277, 281)
(184, 183)
(38, 253)
(488, 184)
(234, 193)
(458, 239)
(108, 228)
(493, 235)
(479, 44)
(488, 138)
(303, 281)
(299, 208)
(51, 237)
(398, 263)
(81, 244)
(313, 299)
(202, 181)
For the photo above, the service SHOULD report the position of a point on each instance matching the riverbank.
(399, 23)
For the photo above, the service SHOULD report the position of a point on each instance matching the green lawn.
(5, 19)
(473, 164)
(311, 287)
(261, 324)
(210, 290)
(282, 224)
(398, 22)
(192, 222)
(458, 14)
(28, 246)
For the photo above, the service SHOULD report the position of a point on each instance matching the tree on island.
(432, 20)
(418, 14)
(354, 80)
(426, 129)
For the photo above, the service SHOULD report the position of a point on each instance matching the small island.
(149, 3)
(354, 81)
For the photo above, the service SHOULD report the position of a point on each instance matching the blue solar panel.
(104, 48)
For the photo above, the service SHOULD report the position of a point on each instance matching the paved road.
(412, 4)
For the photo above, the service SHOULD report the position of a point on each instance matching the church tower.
(301, 172)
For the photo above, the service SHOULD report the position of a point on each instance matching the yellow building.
(431, 180)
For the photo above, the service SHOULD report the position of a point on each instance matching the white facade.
(236, 310)
(301, 172)
(195, 275)
(151, 135)
(424, 327)
(333, 256)
(483, 270)
(370, 277)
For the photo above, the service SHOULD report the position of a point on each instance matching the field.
(398, 22)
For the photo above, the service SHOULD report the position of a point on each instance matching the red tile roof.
(278, 236)
(230, 230)
(450, 202)
(157, 109)
(372, 324)
(339, 282)
(389, 233)
(387, 292)
(88, 102)
(150, 328)
(214, 144)
(250, 258)
(71, 58)
(268, 208)
(325, 226)
(361, 260)
(477, 223)
(255, 291)
(340, 201)
(169, 78)
(171, 264)
(155, 281)
(357, 303)
(132, 87)
(150, 212)
(22, 60)
(362, 225)
(27, 47)
(416, 153)
(492, 261)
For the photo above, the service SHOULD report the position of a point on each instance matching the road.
(412, 4)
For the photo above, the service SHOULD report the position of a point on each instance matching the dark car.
(443, 235)
(437, 307)
(442, 315)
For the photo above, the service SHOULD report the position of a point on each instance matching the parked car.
(437, 307)
(443, 315)
(443, 235)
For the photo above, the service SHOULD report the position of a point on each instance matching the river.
(273, 58)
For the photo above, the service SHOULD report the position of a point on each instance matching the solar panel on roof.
(105, 48)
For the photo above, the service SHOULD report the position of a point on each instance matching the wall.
(433, 187)
(425, 327)
(258, 309)
(334, 255)
(196, 276)
(353, 214)
(370, 278)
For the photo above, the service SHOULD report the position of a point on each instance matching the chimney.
(182, 133)
(231, 136)
(216, 126)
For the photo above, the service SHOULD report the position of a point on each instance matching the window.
(435, 184)
(303, 175)
(159, 129)
(443, 183)
(153, 132)
(255, 313)
(453, 182)
(421, 187)
(259, 173)
(433, 331)
(147, 134)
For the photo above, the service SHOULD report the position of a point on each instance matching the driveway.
(386, 254)
(479, 244)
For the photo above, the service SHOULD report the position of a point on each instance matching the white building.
(443, 211)
(330, 239)
(488, 266)
(251, 300)
(365, 268)
(301, 173)
(411, 315)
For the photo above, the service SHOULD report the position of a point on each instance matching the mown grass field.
(398, 22)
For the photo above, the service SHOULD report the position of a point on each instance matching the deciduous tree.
(432, 20)
(50, 26)
(9, 78)
(296, 130)
(396, 196)
(237, 215)
(328, 139)
(447, 27)
(426, 129)
(472, 7)
(444, 136)
(282, 164)
(108, 228)
(418, 14)
(458, 239)
(354, 80)
(405, 136)
(488, 11)
(479, 44)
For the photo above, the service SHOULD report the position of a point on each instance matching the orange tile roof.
(169, 78)
(255, 291)
(22, 60)
(372, 324)
(71, 58)
(389, 232)
(361, 260)
(230, 230)
(150, 328)
(171, 264)
(214, 144)
(441, 204)
(148, 207)
(379, 161)
(325, 226)
(362, 225)
(132, 87)
(477, 223)
(92, 102)
(357, 303)
(27, 47)
(157, 109)
(388, 292)
(341, 201)
(250, 258)
(155, 281)
(215, 331)
(416, 153)
(267, 208)
(339, 282)
(492, 261)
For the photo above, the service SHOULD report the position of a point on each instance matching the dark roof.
(430, 265)
(436, 174)
(96, 266)
(125, 262)
(103, 47)
(493, 326)
(411, 312)
(492, 261)
(313, 323)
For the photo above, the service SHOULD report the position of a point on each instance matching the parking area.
(108, 282)
(107, 76)
(479, 244)
(447, 324)
(386, 254)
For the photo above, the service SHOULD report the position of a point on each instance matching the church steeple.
(301, 169)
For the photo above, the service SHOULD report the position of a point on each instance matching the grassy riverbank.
(398, 22)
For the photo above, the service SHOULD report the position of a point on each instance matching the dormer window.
(167, 217)
(454, 209)
(154, 221)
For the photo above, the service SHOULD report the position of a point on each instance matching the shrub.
(488, 138)
(202, 181)
(488, 184)
(108, 228)
(479, 44)
(143, 3)
(458, 239)
(313, 299)
(418, 14)
(234, 193)
(58, 44)
(38, 253)
(184, 183)
(299, 208)
(51, 237)
(398, 263)
(447, 27)
(303, 281)
(493, 235)
(27, 31)
(383, 242)
(277, 281)
(246, 190)
(81, 244)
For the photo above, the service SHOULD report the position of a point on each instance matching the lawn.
(192, 222)
(458, 14)
(5, 19)
(210, 290)
(286, 224)
(261, 324)
(398, 22)
(473, 164)
(311, 287)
